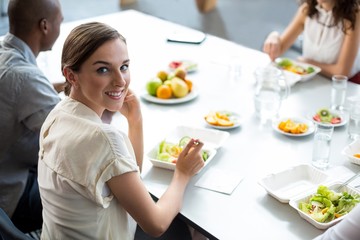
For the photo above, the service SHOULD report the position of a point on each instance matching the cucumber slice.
(184, 141)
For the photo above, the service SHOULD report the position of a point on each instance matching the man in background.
(26, 97)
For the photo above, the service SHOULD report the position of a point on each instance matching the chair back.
(8, 231)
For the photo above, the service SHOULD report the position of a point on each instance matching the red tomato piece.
(175, 64)
(317, 118)
(336, 120)
(174, 161)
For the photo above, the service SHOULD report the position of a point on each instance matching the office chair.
(8, 231)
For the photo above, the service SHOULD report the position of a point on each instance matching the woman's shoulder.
(302, 12)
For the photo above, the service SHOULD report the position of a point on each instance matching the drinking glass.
(321, 146)
(354, 120)
(271, 89)
(235, 68)
(338, 92)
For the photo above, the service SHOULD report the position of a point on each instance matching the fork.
(347, 182)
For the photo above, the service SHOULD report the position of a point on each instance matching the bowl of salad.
(166, 153)
(306, 71)
(325, 207)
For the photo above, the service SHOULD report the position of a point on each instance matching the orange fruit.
(189, 84)
(224, 122)
(211, 120)
(303, 128)
(164, 92)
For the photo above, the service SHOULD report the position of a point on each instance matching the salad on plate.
(326, 205)
(304, 70)
(166, 153)
(169, 152)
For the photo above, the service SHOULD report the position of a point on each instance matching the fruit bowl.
(189, 97)
(324, 116)
(169, 85)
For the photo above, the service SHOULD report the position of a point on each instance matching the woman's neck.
(328, 6)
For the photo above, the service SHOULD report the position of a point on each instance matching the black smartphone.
(187, 36)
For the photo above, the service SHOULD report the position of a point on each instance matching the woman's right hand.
(190, 160)
(272, 45)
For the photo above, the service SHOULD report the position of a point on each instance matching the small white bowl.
(310, 124)
(171, 166)
(352, 149)
(306, 197)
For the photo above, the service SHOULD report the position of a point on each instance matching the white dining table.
(251, 151)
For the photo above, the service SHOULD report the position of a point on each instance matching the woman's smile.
(115, 94)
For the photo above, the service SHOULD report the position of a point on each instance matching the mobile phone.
(187, 36)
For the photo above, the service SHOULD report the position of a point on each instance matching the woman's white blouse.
(322, 40)
(78, 155)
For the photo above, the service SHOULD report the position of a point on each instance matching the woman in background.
(331, 36)
(89, 172)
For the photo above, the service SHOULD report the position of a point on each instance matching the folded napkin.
(219, 181)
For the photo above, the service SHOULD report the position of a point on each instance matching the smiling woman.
(92, 170)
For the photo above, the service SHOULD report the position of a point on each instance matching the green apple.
(179, 87)
(152, 85)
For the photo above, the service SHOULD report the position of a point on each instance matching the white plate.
(291, 78)
(344, 119)
(212, 138)
(304, 77)
(305, 198)
(351, 149)
(188, 65)
(192, 95)
(171, 166)
(234, 117)
(293, 181)
(311, 126)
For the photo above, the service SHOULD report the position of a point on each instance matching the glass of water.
(338, 92)
(354, 120)
(270, 90)
(321, 147)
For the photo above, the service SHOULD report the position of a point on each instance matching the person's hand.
(59, 87)
(131, 107)
(272, 45)
(190, 160)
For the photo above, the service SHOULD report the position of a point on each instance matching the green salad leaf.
(169, 152)
(326, 204)
(285, 63)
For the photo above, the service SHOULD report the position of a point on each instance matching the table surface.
(252, 150)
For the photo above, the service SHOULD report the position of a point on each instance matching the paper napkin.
(219, 181)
